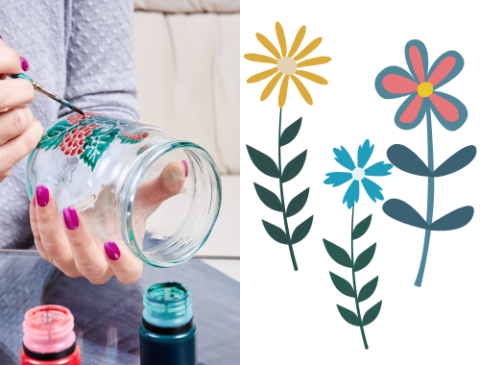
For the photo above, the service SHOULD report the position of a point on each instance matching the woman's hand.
(20, 132)
(71, 248)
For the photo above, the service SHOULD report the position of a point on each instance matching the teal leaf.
(338, 254)
(405, 159)
(456, 162)
(264, 163)
(372, 314)
(55, 135)
(402, 212)
(294, 167)
(276, 233)
(367, 290)
(342, 285)
(302, 230)
(268, 198)
(364, 258)
(453, 220)
(297, 203)
(361, 228)
(348, 316)
(290, 132)
(96, 144)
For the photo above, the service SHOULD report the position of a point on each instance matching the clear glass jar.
(96, 164)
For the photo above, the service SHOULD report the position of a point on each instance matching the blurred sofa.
(188, 67)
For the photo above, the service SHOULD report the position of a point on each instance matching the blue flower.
(358, 173)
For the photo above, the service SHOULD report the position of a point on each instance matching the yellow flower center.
(287, 65)
(425, 89)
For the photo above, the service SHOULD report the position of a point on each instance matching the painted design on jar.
(88, 137)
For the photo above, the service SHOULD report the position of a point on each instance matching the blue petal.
(352, 194)
(364, 153)
(338, 178)
(379, 169)
(343, 158)
(372, 189)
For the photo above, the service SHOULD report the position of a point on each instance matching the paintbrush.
(47, 92)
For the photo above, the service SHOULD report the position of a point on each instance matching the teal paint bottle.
(167, 334)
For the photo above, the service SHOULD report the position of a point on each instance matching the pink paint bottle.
(48, 337)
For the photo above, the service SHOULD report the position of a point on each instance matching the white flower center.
(358, 174)
(287, 65)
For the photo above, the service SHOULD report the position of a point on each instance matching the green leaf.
(338, 254)
(372, 313)
(55, 135)
(302, 230)
(290, 132)
(96, 144)
(342, 285)
(264, 163)
(364, 258)
(297, 203)
(367, 290)
(276, 233)
(349, 316)
(361, 228)
(294, 167)
(268, 198)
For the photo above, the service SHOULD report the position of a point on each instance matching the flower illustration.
(287, 65)
(76, 118)
(422, 85)
(358, 173)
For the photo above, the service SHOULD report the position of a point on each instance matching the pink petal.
(398, 84)
(446, 108)
(417, 63)
(442, 70)
(412, 110)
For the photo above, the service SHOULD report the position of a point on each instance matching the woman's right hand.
(20, 132)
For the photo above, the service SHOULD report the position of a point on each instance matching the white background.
(291, 317)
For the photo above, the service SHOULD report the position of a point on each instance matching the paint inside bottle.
(167, 334)
(48, 337)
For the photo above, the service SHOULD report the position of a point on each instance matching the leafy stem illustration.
(422, 84)
(285, 221)
(266, 165)
(358, 174)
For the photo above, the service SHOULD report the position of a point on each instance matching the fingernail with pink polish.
(112, 250)
(24, 63)
(42, 195)
(1, 37)
(186, 167)
(70, 217)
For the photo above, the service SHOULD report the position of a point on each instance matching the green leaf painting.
(276, 200)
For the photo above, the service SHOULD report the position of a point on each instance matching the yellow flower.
(287, 65)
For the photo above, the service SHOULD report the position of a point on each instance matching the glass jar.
(97, 165)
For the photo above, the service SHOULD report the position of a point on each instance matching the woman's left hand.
(68, 245)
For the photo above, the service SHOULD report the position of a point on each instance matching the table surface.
(108, 316)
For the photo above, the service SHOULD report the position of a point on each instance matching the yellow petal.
(312, 77)
(263, 75)
(270, 86)
(314, 61)
(298, 41)
(282, 96)
(281, 38)
(308, 49)
(303, 90)
(260, 58)
(268, 45)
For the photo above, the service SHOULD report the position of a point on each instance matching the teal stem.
(285, 222)
(430, 200)
(362, 330)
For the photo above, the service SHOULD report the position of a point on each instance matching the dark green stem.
(285, 222)
(355, 285)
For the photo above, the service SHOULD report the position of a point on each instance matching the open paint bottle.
(48, 337)
(167, 334)
(103, 167)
